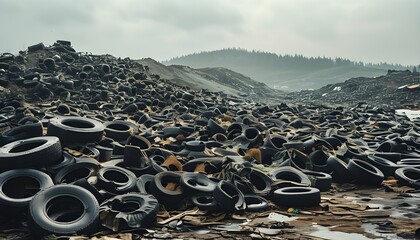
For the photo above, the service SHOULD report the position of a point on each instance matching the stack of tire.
(49, 185)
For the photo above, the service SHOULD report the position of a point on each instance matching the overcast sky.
(367, 30)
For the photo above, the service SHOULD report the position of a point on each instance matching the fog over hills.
(285, 72)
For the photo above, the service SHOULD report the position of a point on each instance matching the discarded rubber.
(63, 210)
(197, 183)
(169, 196)
(365, 173)
(297, 197)
(255, 203)
(290, 174)
(116, 180)
(408, 176)
(129, 211)
(340, 172)
(32, 152)
(18, 186)
(229, 197)
(319, 180)
(75, 130)
(143, 183)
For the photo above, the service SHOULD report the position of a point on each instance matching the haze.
(370, 31)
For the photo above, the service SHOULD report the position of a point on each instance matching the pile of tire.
(98, 143)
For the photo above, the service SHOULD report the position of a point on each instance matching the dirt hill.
(213, 79)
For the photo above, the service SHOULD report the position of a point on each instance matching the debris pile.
(395, 90)
(97, 145)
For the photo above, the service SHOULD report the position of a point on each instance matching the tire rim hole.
(65, 209)
(78, 124)
(297, 190)
(278, 142)
(253, 201)
(257, 182)
(251, 133)
(125, 207)
(204, 200)
(26, 146)
(413, 175)
(21, 187)
(172, 168)
(230, 191)
(76, 174)
(195, 182)
(288, 176)
(116, 176)
(119, 127)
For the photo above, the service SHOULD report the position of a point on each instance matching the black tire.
(365, 173)
(312, 144)
(193, 182)
(36, 47)
(116, 180)
(340, 172)
(243, 184)
(18, 186)
(67, 160)
(261, 182)
(290, 174)
(386, 166)
(214, 162)
(129, 211)
(255, 203)
(205, 202)
(299, 160)
(92, 189)
(319, 180)
(213, 128)
(408, 176)
(78, 170)
(75, 130)
(63, 210)
(229, 197)
(21, 132)
(167, 197)
(143, 183)
(32, 152)
(297, 197)
(119, 130)
(152, 169)
(319, 161)
(139, 141)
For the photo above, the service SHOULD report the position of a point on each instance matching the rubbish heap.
(95, 143)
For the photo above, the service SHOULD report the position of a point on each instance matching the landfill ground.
(190, 157)
(346, 212)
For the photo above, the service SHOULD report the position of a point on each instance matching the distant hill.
(285, 72)
(396, 89)
(213, 79)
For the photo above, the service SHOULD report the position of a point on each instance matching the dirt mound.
(213, 79)
(395, 89)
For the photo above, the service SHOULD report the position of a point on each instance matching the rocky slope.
(395, 89)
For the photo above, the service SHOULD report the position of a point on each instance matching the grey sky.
(367, 30)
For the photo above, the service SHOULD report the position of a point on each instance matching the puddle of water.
(327, 233)
(371, 228)
(280, 217)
